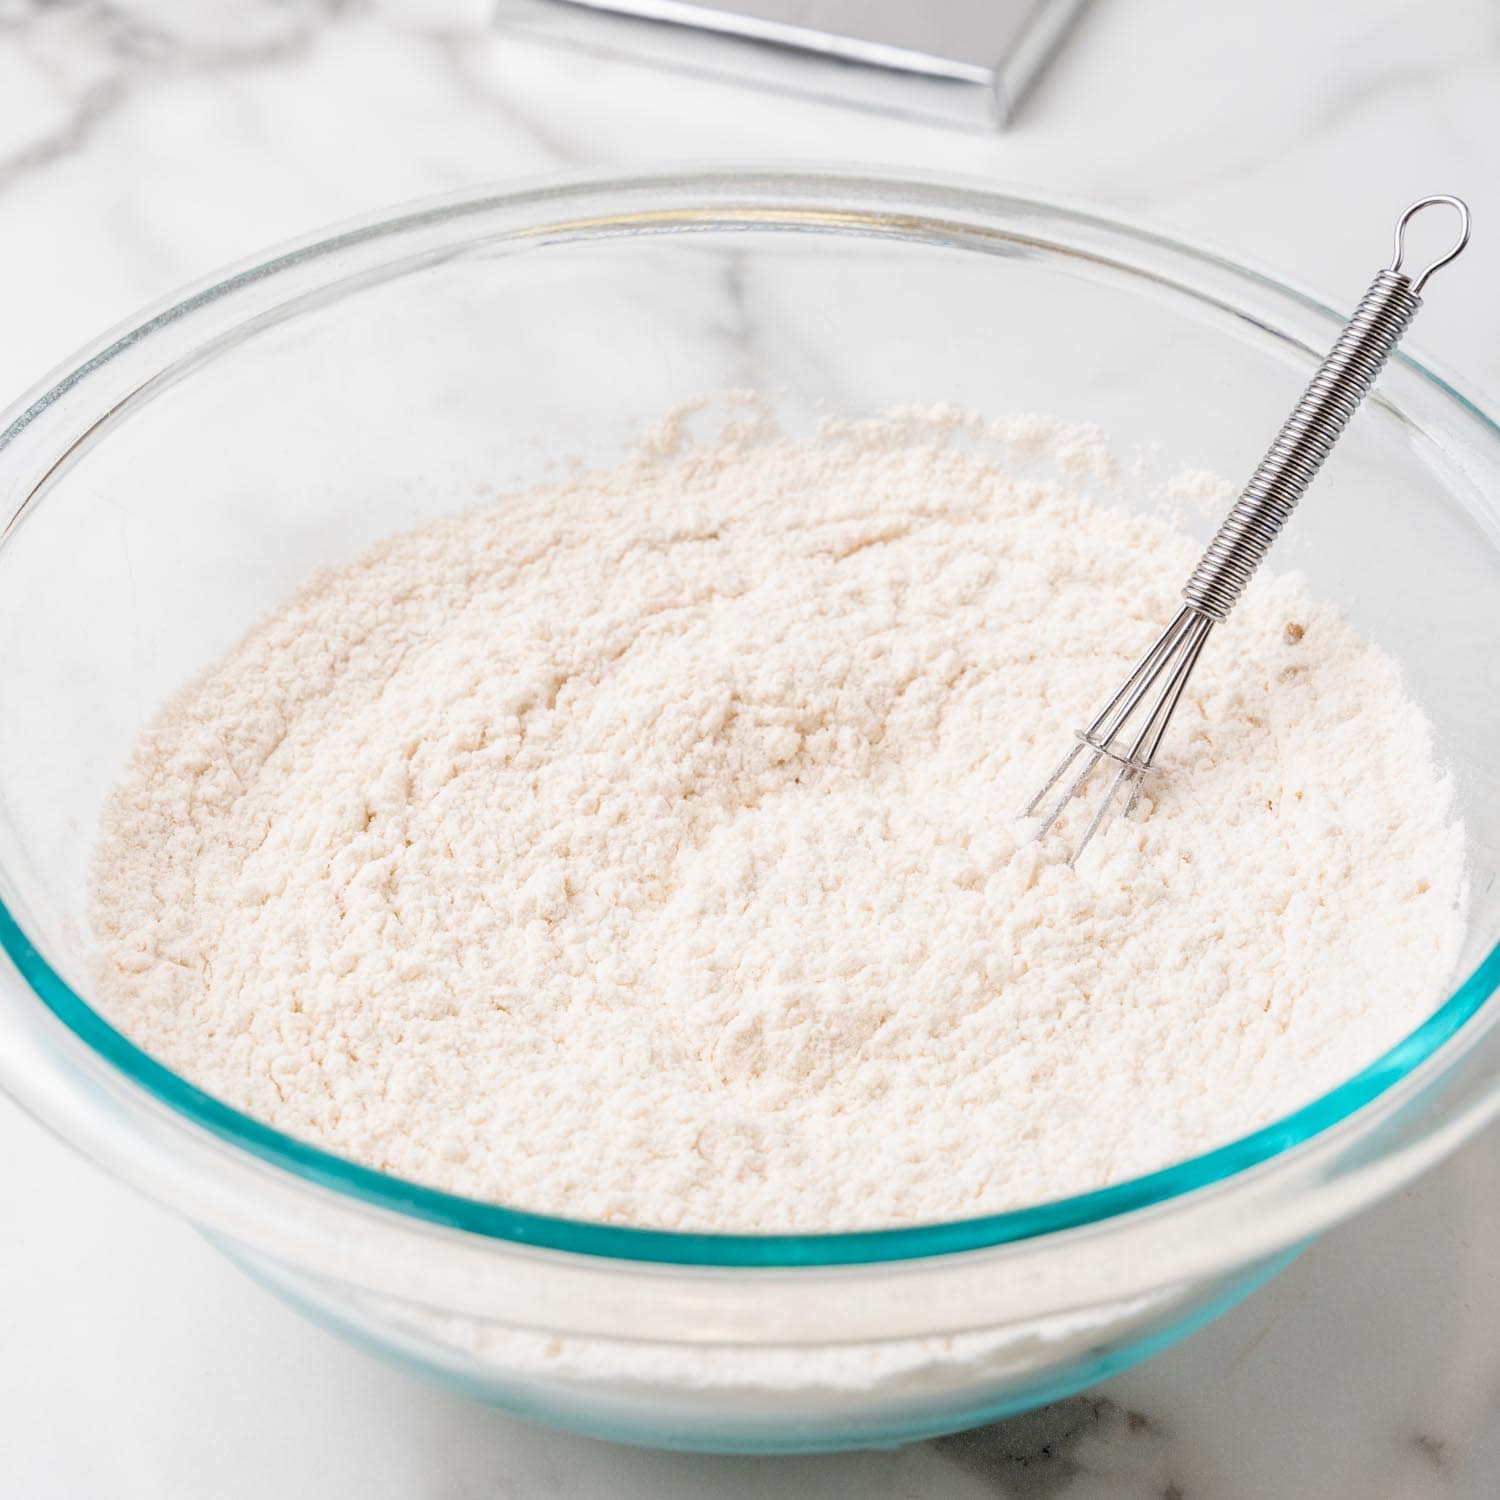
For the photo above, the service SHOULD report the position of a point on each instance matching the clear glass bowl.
(182, 475)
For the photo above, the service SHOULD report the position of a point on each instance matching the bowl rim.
(495, 1221)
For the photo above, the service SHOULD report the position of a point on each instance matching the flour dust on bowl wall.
(539, 880)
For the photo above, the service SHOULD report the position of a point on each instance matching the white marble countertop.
(143, 145)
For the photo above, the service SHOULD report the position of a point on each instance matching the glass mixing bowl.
(182, 475)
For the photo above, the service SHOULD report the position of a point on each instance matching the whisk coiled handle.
(1308, 435)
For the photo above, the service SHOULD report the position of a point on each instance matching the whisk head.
(1128, 731)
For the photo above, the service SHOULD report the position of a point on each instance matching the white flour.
(644, 848)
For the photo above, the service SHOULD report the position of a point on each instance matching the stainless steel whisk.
(1128, 731)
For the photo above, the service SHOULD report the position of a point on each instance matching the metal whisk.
(1128, 731)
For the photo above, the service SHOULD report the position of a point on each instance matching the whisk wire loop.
(1398, 252)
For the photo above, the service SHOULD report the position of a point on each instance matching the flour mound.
(644, 848)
